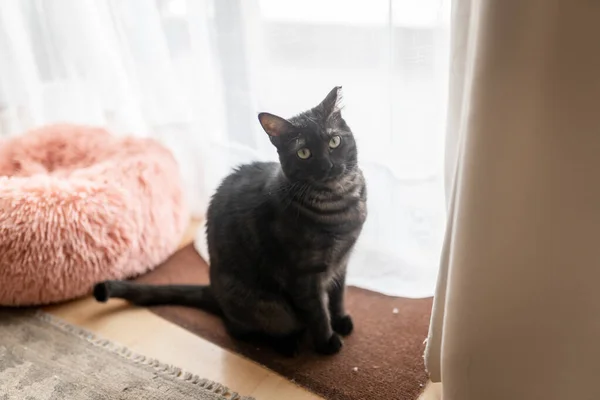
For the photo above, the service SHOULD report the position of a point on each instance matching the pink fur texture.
(77, 206)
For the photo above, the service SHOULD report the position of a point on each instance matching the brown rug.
(44, 358)
(382, 359)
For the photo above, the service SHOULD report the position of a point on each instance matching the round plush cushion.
(78, 206)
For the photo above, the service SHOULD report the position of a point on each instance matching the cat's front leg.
(341, 322)
(311, 299)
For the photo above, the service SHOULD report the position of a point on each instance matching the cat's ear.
(333, 102)
(275, 126)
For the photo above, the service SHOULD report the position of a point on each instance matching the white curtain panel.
(194, 74)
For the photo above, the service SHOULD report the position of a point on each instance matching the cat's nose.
(326, 166)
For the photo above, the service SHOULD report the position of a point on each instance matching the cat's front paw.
(343, 325)
(332, 346)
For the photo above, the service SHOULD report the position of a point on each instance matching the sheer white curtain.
(195, 73)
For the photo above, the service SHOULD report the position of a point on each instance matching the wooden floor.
(148, 334)
(433, 391)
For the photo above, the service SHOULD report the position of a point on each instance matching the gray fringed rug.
(42, 357)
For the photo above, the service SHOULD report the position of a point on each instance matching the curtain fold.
(516, 309)
(462, 53)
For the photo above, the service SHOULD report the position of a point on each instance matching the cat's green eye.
(303, 153)
(335, 141)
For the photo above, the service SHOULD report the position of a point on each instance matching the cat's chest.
(318, 249)
(308, 243)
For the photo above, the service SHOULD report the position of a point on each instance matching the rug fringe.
(159, 367)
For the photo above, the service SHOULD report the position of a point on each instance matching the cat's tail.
(198, 296)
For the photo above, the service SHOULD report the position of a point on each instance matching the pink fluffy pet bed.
(78, 206)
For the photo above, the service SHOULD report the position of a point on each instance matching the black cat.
(279, 237)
